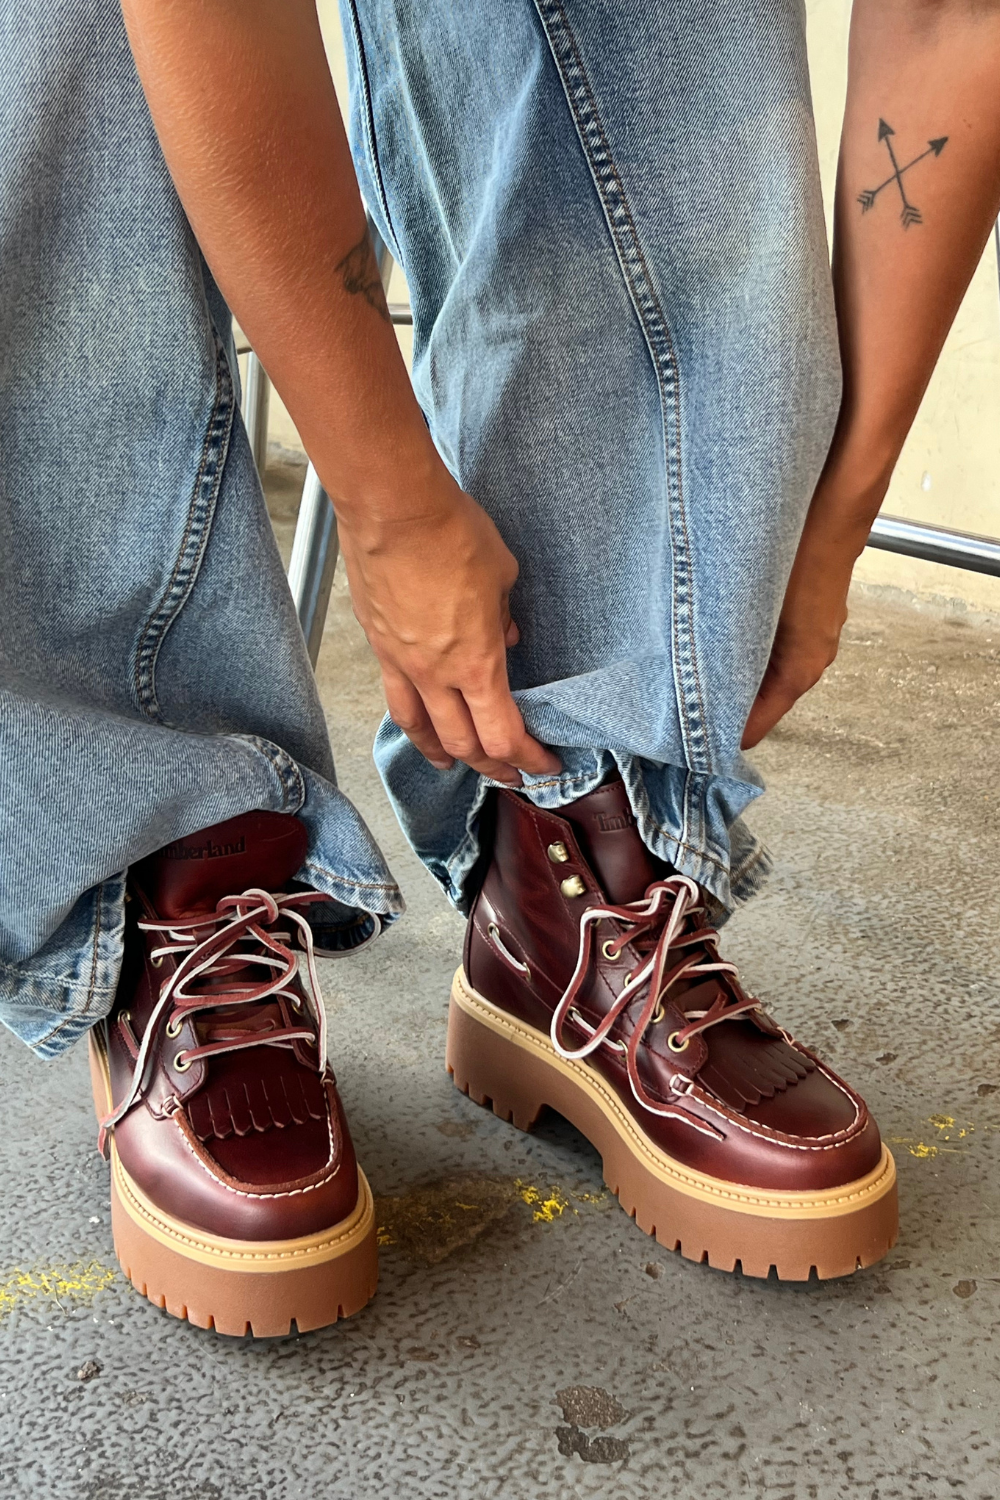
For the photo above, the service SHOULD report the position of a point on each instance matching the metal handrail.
(956, 549)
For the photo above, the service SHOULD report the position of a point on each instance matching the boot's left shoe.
(236, 1199)
(592, 983)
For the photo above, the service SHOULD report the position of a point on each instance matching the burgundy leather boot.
(592, 984)
(236, 1199)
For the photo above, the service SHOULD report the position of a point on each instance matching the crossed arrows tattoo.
(910, 214)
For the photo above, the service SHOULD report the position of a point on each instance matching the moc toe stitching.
(263, 1191)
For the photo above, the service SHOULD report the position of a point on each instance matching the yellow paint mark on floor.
(948, 1131)
(545, 1210)
(79, 1284)
(430, 1222)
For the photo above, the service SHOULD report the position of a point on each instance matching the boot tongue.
(604, 825)
(258, 849)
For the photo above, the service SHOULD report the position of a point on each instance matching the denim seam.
(569, 780)
(639, 282)
(290, 778)
(92, 988)
(737, 876)
(17, 972)
(194, 541)
(368, 113)
(691, 848)
(686, 812)
(359, 885)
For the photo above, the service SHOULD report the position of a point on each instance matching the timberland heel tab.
(257, 849)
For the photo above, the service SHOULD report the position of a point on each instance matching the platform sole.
(500, 1061)
(263, 1287)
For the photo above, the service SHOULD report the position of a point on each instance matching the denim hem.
(377, 898)
(50, 1006)
(687, 845)
(53, 1010)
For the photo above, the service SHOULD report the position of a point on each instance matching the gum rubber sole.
(498, 1060)
(237, 1286)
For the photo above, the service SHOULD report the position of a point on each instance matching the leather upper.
(747, 1103)
(249, 1141)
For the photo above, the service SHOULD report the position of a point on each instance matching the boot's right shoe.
(236, 1200)
(592, 984)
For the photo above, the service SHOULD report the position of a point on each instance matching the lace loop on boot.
(206, 948)
(662, 919)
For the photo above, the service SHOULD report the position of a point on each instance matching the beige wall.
(949, 473)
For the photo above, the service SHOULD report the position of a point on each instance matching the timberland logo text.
(207, 850)
(614, 822)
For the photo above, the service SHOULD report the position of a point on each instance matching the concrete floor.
(527, 1339)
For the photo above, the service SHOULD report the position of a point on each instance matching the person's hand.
(431, 593)
(815, 605)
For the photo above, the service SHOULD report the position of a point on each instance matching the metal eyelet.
(657, 1017)
(173, 1030)
(182, 1063)
(615, 1046)
(609, 943)
(157, 961)
(125, 1015)
(672, 1042)
(296, 1003)
(515, 963)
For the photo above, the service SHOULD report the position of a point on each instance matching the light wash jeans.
(153, 677)
(609, 215)
(610, 219)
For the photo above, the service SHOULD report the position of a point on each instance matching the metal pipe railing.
(256, 406)
(956, 549)
(313, 560)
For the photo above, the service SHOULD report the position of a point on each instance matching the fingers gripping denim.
(610, 219)
(153, 678)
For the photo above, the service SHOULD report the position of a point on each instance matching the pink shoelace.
(208, 951)
(665, 912)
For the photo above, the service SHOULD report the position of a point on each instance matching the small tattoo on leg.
(360, 274)
(910, 213)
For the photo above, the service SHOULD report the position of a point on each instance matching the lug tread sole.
(507, 1065)
(236, 1287)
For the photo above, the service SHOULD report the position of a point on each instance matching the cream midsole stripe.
(236, 1255)
(758, 1202)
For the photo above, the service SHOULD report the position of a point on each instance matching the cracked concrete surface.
(533, 1342)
